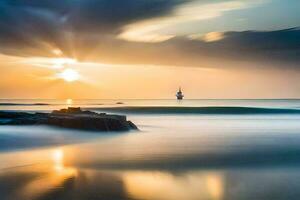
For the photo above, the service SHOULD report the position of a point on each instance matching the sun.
(69, 75)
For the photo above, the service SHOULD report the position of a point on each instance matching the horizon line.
(151, 99)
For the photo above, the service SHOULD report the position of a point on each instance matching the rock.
(73, 118)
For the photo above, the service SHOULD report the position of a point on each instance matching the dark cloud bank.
(30, 28)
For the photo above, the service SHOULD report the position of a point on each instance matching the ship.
(179, 94)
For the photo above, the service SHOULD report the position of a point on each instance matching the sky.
(146, 49)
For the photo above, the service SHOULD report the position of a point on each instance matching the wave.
(198, 110)
(24, 104)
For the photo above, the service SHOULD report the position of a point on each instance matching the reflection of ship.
(179, 94)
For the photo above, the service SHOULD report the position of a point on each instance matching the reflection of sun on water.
(69, 101)
(166, 186)
(53, 177)
(58, 157)
(215, 186)
(58, 161)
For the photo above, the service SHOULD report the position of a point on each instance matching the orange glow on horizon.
(63, 78)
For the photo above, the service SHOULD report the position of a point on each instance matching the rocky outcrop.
(74, 118)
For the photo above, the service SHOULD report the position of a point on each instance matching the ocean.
(183, 150)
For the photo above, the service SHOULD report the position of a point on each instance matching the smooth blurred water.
(172, 157)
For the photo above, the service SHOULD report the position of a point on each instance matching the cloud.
(134, 32)
(192, 11)
(264, 47)
(37, 27)
(208, 37)
(280, 45)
